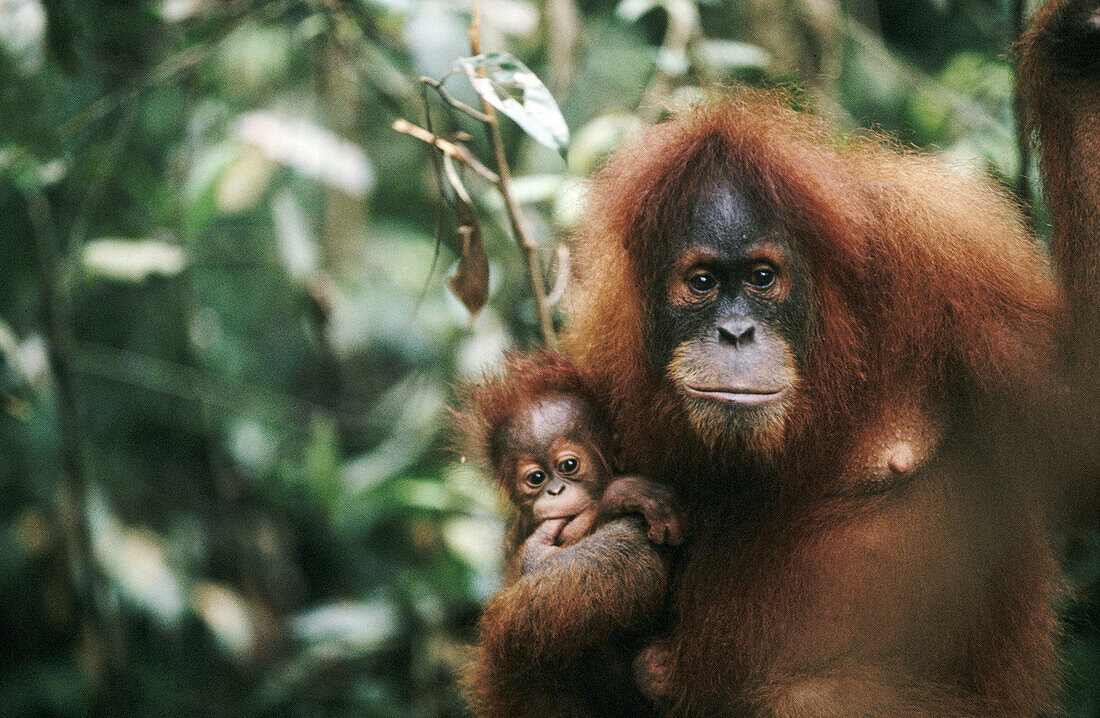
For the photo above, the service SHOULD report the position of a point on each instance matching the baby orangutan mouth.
(578, 526)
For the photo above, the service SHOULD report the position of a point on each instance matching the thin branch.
(97, 188)
(1023, 144)
(561, 280)
(459, 152)
(72, 516)
(104, 105)
(437, 162)
(440, 223)
(682, 32)
(523, 239)
(457, 104)
(562, 28)
(182, 382)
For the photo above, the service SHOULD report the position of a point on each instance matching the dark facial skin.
(729, 322)
(558, 472)
(1076, 38)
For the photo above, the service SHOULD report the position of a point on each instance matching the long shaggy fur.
(922, 274)
(1059, 102)
(927, 291)
(797, 596)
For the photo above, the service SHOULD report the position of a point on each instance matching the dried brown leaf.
(470, 282)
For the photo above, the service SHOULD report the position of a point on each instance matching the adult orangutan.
(826, 348)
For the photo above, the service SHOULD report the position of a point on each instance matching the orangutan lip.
(576, 527)
(568, 518)
(571, 516)
(737, 395)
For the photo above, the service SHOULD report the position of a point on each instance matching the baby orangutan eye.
(568, 466)
(703, 282)
(761, 277)
(535, 478)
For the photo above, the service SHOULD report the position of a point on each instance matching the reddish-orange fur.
(539, 634)
(919, 271)
(1059, 103)
(560, 641)
(1059, 100)
(822, 579)
(800, 595)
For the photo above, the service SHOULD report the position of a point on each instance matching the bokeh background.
(227, 343)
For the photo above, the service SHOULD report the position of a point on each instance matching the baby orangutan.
(544, 434)
(550, 457)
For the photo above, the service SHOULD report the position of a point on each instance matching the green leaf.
(27, 172)
(733, 55)
(508, 85)
(631, 10)
(134, 261)
(353, 627)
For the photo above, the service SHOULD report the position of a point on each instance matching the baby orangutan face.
(559, 471)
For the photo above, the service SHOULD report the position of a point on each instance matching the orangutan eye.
(761, 277)
(703, 282)
(535, 478)
(568, 466)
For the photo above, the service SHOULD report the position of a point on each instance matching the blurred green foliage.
(262, 352)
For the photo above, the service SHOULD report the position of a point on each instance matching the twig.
(459, 152)
(183, 382)
(440, 222)
(682, 32)
(437, 162)
(561, 22)
(526, 244)
(1023, 144)
(104, 105)
(561, 280)
(72, 517)
(457, 104)
(172, 66)
(107, 166)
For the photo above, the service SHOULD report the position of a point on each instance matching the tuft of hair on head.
(487, 405)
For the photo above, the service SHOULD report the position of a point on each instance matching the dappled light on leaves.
(513, 89)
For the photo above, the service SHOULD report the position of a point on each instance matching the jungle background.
(227, 344)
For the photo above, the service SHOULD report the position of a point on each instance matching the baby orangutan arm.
(570, 598)
(535, 633)
(654, 501)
